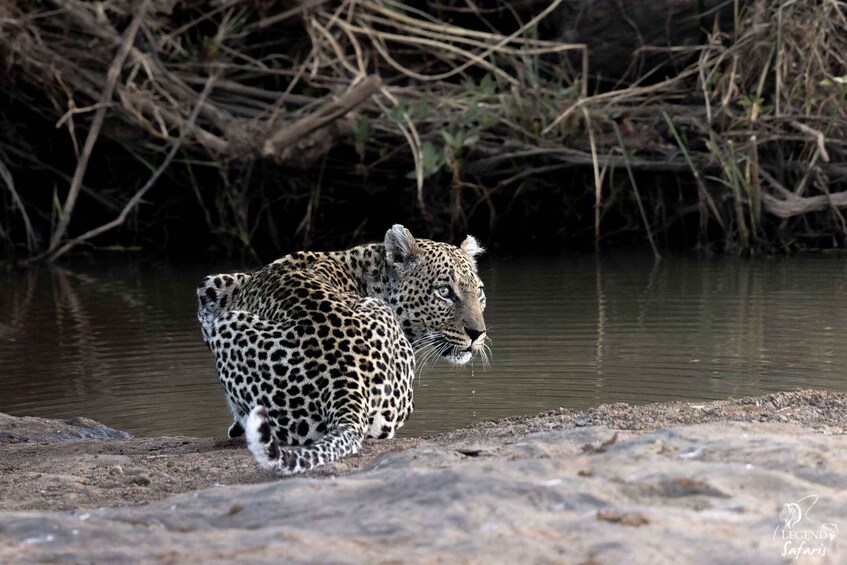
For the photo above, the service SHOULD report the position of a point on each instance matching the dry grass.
(755, 118)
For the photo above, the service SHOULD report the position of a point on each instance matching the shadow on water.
(122, 344)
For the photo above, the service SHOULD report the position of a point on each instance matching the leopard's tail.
(214, 294)
(343, 440)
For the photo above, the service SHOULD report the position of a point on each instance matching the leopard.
(318, 351)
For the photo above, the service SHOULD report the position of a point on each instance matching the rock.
(625, 518)
(140, 479)
(27, 429)
(602, 446)
(439, 507)
(521, 490)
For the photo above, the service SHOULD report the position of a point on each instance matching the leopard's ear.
(472, 247)
(401, 249)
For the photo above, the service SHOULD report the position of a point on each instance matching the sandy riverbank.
(675, 482)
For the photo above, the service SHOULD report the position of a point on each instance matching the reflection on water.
(122, 345)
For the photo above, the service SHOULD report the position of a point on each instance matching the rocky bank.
(661, 483)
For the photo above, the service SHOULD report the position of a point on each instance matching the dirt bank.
(674, 481)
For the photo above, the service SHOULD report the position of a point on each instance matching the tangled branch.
(755, 107)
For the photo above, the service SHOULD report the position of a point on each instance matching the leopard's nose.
(473, 333)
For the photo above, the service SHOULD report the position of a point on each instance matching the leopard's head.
(437, 295)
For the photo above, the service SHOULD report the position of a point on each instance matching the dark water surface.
(122, 344)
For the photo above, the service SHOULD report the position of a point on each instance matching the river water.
(121, 344)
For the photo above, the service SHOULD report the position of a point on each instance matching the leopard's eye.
(481, 293)
(444, 292)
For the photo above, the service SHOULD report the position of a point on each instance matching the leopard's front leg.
(239, 420)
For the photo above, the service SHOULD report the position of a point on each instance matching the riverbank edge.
(81, 464)
(667, 482)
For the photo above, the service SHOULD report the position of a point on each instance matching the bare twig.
(649, 231)
(598, 180)
(6, 175)
(282, 16)
(112, 76)
(136, 198)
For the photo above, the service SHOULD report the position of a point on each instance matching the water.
(121, 344)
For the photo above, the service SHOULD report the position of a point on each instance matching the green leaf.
(362, 132)
(432, 159)
(470, 140)
(487, 85)
(420, 111)
(396, 114)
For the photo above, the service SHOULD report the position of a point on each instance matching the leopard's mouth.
(457, 354)
(440, 345)
(461, 358)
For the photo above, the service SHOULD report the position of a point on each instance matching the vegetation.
(266, 125)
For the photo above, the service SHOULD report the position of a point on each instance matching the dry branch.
(797, 206)
(136, 198)
(112, 76)
(730, 103)
(327, 113)
(8, 180)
